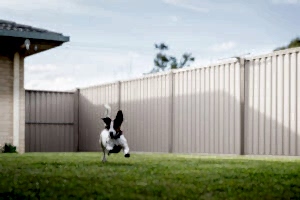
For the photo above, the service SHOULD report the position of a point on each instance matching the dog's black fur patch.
(116, 149)
(118, 120)
(118, 134)
(107, 121)
(127, 155)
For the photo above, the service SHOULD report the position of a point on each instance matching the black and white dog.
(112, 139)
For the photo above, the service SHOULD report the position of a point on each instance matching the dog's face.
(114, 126)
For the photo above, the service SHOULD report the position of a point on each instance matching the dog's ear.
(107, 121)
(119, 119)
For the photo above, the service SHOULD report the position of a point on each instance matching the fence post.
(171, 87)
(242, 99)
(76, 120)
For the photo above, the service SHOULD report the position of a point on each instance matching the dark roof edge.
(35, 35)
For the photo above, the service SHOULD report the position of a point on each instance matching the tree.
(293, 43)
(162, 61)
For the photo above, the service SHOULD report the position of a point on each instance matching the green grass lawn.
(146, 176)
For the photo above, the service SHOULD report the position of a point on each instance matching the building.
(18, 41)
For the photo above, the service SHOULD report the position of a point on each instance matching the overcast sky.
(113, 40)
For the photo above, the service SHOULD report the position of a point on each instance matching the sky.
(112, 40)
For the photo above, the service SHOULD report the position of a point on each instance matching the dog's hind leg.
(104, 155)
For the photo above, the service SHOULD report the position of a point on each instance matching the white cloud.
(223, 46)
(40, 68)
(40, 6)
(56, 84)
(187, 5)
(285, 1)
(260, 50)
(95, 69)
(201, 62)
(205, 6)
(174, 18)
(133, 54)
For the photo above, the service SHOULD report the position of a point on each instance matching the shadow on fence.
(202, 123)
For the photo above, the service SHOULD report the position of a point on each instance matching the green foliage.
(146, 176)
(293, 43)
(9, 148)
(162, 61)
(280, 48)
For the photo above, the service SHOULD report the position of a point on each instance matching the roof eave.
(35, 35)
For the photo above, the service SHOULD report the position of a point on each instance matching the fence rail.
(250, 106)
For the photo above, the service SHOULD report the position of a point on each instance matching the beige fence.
(146, 106)
(188, 111)
(50, 121)
(272, 107)
(91, 110)
(206, 110)
(247, 106)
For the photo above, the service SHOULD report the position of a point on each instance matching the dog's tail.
(108, 110)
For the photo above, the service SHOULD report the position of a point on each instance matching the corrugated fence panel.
(145, 103)
(272, 89)
(298, 103)
(184, 111)
(91, 110)
(207, 110)
(293, 104)
(49, 121)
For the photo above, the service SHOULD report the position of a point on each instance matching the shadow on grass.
(12, 195)
(84, 163)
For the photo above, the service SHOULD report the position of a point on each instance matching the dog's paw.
(127, 155)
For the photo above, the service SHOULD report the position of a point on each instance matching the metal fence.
(247, 106)
(272, 104)
(50, 121)
(91, 110)
(206, 110)
(146, 106)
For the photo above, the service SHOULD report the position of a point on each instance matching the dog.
(111, 138)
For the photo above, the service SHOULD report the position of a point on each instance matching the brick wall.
(21, 148)
(6, 100)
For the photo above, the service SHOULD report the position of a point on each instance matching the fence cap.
(52, 91)
(275, 53)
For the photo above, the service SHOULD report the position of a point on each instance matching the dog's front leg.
(123, 142)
